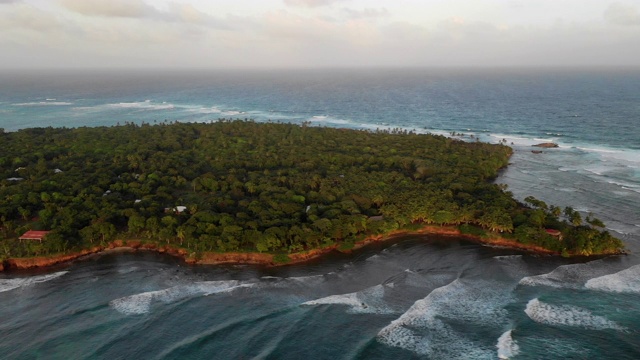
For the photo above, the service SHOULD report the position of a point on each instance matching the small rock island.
(546, 145)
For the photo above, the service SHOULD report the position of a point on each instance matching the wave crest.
(625, 281)
(10, 284)
(565, 315)
(368, 301)
(507, 347)
(141, 303)
(424, 330)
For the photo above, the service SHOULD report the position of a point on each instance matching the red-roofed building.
(34, 235)
(555, 233)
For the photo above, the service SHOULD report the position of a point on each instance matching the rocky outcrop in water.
(547, 145)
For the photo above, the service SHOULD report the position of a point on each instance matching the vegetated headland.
(269, 193)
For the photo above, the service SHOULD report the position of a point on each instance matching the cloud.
(111, 8)
(366, 13)
(31, 18)
(139, 10)
(134, 33)
(311, 3)
(9, 1)
(621, 14)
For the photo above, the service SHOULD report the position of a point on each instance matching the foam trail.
(368, 301)
(10, 284)
(625, 281)
(507, 347)
(548, 314)
(141, 303)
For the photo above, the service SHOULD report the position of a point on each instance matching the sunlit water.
(420, 297)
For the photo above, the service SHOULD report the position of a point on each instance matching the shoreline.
(266, 259)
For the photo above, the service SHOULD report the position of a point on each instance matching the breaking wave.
(507, 347)
(10, 284)
(625, 281)
(368, 301)
(141, 303)
(425, 329)
(565, 315)
(568, 276)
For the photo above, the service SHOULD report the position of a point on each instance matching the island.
(268, 193)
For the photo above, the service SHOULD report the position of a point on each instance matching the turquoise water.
(420, 297)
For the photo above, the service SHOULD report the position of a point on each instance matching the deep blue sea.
(420, 297)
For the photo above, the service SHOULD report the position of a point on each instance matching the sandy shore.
(253, 258)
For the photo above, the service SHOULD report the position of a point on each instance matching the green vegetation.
(244, 186)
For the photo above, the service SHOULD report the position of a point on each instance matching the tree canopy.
(237, 185)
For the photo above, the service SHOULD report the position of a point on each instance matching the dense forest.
(236, 185)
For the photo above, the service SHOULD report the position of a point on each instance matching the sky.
(318, 33)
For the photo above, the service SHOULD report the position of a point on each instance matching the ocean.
(418, 297)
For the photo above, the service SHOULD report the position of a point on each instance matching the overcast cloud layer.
(318, 33)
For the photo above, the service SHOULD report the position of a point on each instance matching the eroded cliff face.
(46, 261)
(226, 258)
(249, 258)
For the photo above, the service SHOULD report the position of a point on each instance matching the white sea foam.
(146, 105)
(616, 157)
(507, 347)
(232, 113)
(429, 280)
(424, 330)
(326, 119)
(516, 140)
(625, 281)
(141, 303)
(10, 284)
(599, 150)
(127, 270)
(312, 279)
(624, 184)
(508, 257)
(44, 103)
(206, 110)
(373, 257)
(368, 301)
(565, 315)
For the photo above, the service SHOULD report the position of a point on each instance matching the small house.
(554, 233)
(34, 235)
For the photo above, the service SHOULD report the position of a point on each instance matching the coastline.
(265, 259)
